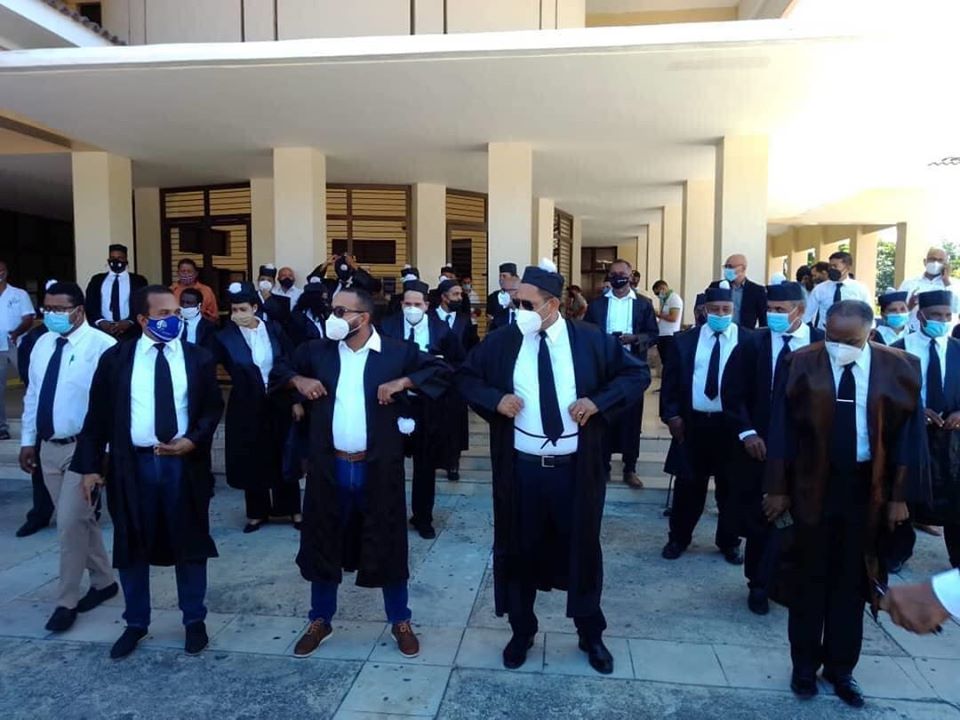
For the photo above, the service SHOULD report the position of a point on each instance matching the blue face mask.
(778, 322)
(897, 320)
(165, 329)
(58, 323)
(719, 323)
(935, 328)
(729, 274)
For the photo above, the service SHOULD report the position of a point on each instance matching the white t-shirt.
(666, 327)
(14, 306)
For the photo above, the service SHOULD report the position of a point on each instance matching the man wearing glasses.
(749, 298)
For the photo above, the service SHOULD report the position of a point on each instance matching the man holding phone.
(62, 366)
(936, 276)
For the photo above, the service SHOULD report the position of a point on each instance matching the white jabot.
(918, 344)
(350, 403)
(728, 341)
(448, 317)
(143, 431)
(258, 340)
(889, 335)
(821, 299)
(861, 376)
(106, 290)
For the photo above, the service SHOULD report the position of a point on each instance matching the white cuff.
(745, 434)
(946, 586)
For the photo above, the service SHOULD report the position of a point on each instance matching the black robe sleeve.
(98, 425)
(738, 381)
(211, 403)
(910, 480)
(646, 327)
(671, 384)
(781, 440)
(429, 375)
(474, 385)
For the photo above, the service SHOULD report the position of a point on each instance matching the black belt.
(547, 461)
(62, 441)
(708, 415)
(150, 450)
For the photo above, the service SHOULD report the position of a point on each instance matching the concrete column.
(576, 266)
(913, 241)
(641, 255)
(102, 209)
(543, 209)
(300, 207)
(672, 252)
(654, 251)
(740, 211)
(774, 265)
(429, 229)
(697, 269)
(509, 205)
(863, 247)
(149, 255)
(263, 242)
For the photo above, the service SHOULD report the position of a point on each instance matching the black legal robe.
(376, 544)
(257, 423)
(206, 332)
(644, 321)
(466, 332)
(610, 378)
(302, 329)
(108, 422)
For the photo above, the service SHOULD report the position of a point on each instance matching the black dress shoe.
(426, 531)
(298, 524)
(804, 685)
(672, 550)
(253, 527)
(515, 653)
(4, 434)
(453, 474)
(758, 602)
(127, 642)
(94, 597)
(600, 658)
(61, 620)
(30, 527)
(196, 639)
(733, 555)
(846, 688)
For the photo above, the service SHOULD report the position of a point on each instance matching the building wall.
(336, 18)
(662, 17)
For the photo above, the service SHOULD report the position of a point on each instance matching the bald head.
(936, 263)
(735, 265)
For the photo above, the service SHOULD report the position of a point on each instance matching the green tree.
(886, 254)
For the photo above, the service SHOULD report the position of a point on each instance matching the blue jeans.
(351, 482)
(160, 490)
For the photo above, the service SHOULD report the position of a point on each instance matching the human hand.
(676, 429)
(953, 421)
(28, 459)
(897, 513)
(510, 406)
(308, 387)
(176, 448)
(933, 418)
(386, 391)
(756, 448)
(915, 607)
(297, 412)
(775, 505)
(582, 410)
(88, 483)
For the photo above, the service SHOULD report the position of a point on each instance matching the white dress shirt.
(918, 344)
(106, 288)
(143, 431)
(890, 335)
(528, 434)
(317, 323)
(258, 340)
(447, 317)
(15, 305)
(421, 333)
(861, 376)
(946, 586)
(821, 299)
(78, 363)
(350, 403)
(798, 338)
(917, 285)
(620, 314)
(293, 293)
(190, 327)
(728, 341)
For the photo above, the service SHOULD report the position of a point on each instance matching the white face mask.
(934, 267)
(843, 354)
(190, 313)
(529, 322)
(266, 285)
(503, 297)
(336, 328)
(413, 315)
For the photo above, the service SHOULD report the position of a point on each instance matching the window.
(370, 222)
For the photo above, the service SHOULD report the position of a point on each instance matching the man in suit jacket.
(155, 403)
(691, 404)
(196, 328)
(508, 276)
(630, 319)
(507, 313)
(272, 307)
(108, 298)
(845, 454)
(433, 435)
(749, 298)
(348, 274)
(755, 365)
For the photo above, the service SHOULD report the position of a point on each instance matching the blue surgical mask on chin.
(935, 328)
(165, 329)
(719, 323)
(729, 274)
(778, 322)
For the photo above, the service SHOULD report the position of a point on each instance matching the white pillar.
(913, 241)
(697, 270)
(429, 229)
(672, 252)
(740, 209)
(543, 209)
(300, 207)
(509, 205)
(263, 245)
(640, 256)
(576, 262)
(654, 252)
(863, 247)
(149, 255)
(102, 209)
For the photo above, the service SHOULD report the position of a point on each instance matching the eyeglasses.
(526, 305)
(339, 311)
(728, 266)
(48, 310)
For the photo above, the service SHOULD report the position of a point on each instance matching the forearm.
(23, 327)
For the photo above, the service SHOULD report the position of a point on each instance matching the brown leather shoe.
(317, 632)
(406, 641)
(633, 480)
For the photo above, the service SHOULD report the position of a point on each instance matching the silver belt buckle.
(547, 461)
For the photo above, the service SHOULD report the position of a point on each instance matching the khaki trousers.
(81, 542)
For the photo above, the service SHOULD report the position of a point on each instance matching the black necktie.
(712, 388)
(784, 352)
(115, 299)
(513, 317)
(843, 437)
(412, 335)
(48, 391)
(549, 405)
(164, 412)
(836, 292)
(935, 399)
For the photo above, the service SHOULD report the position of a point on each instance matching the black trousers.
(748, 490)
(664, 343)
(710, 448)
(424, 486)
(280, 501)
(951, 537)
(42, 510)
(624, 436)
(826, 613)
(546, 522)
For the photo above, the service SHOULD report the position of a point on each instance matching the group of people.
(822, 445)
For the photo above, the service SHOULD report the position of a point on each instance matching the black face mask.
(833, 274)
(454, 307)
(118, 266)
(618, 282)
(286, 283)
(343, 271)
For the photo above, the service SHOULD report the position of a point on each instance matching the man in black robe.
(354, 509)
(433, 436)
(495, 306)
(548, 386)
(156, 403)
